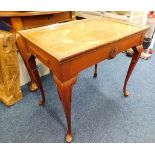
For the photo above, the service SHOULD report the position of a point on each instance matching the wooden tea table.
(74, 46)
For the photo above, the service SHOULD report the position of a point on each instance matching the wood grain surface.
(25, 13)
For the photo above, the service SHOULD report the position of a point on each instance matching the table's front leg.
(137, 52)
(65, 94)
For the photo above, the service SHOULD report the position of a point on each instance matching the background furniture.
(137, 17)
(21, 20)
(10, 91)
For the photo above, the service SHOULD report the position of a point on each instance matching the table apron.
(102, 53)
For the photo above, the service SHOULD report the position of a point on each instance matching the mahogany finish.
(21, 20)
(69, 48)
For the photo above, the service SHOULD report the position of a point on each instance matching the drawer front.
(128, 43)
(122, 45)
(42, 20)
(97, 55)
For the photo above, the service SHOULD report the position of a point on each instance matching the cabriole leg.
(137, 52)
(65, 94)
(36, 77)
(25, 56)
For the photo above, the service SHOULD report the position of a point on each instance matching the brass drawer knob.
(113, 53)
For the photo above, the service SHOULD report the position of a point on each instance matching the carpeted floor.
(100, 112)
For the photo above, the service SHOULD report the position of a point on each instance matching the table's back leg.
(65, 94)
(95, 71)
(17, 25)
(33, 85)
(36, 77)
(137, 52)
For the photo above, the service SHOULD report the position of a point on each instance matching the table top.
(25, 13)
(70, 39)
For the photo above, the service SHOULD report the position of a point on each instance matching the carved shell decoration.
(113, 53)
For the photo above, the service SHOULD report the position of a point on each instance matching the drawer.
(127, 43)
(124, 44)
(47, 19)
(99, 54)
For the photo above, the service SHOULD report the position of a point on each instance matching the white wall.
(139, 17)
